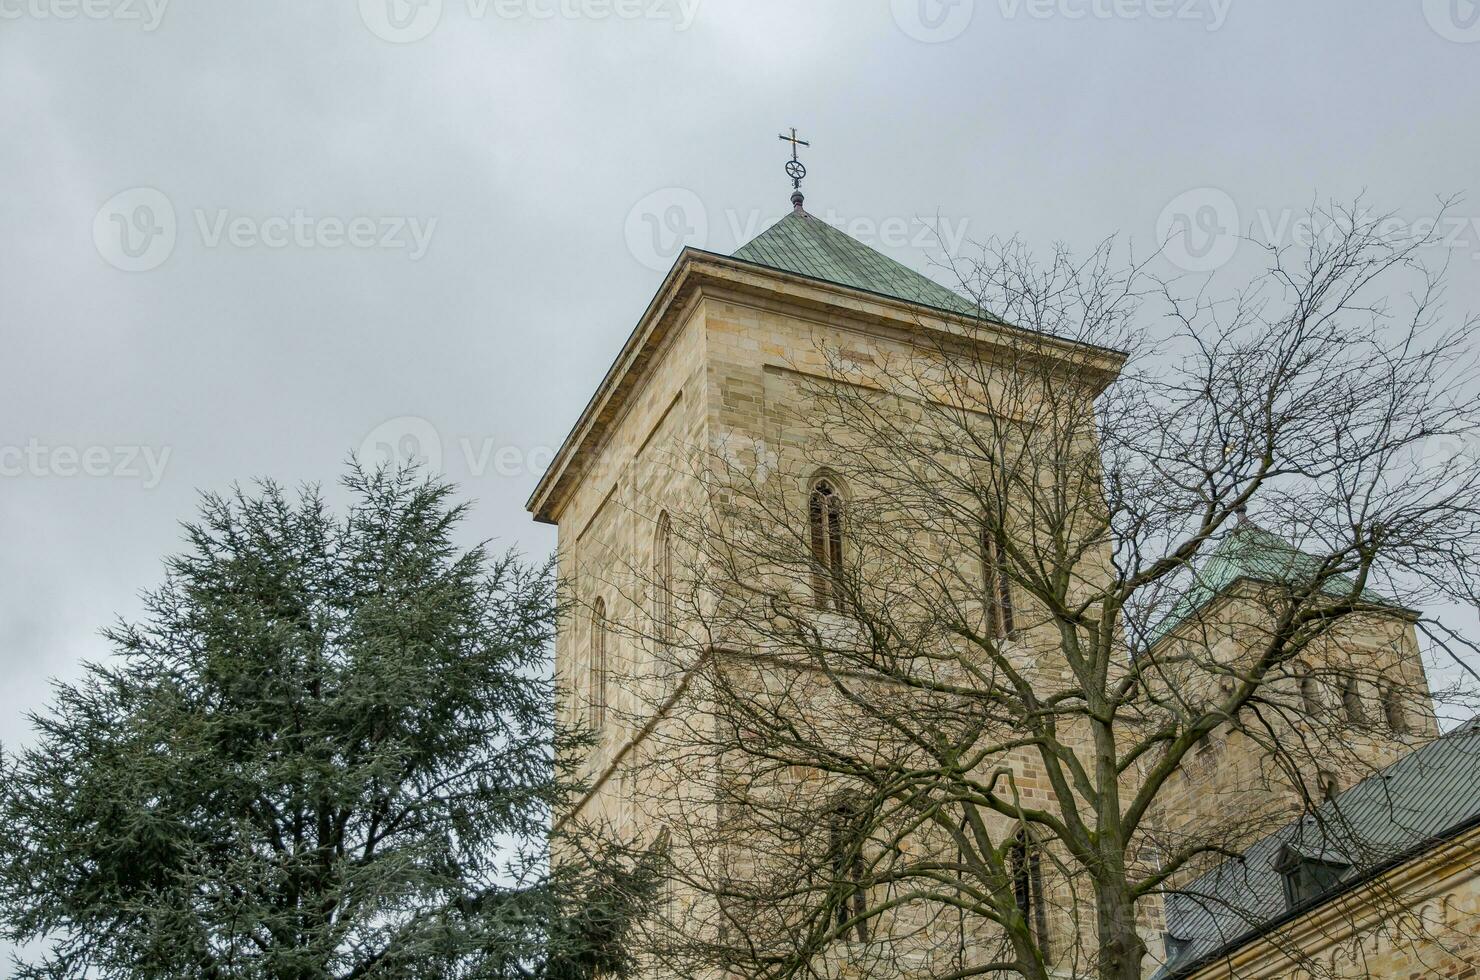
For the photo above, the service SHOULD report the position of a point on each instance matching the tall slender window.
(845, 856)
(1328, 784)
(1025, 863)
(663, 580)
(1392, 708)
(1351, 700)
(825, 513)
(1310, 694)
(998, 587)
(597, 679)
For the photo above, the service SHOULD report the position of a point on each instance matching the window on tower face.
(998, 587)
(1351, 700)
(597, 679)
(845, 860)
(1329, 785)
(1392, 709)
(1310, 694)
(825, 514)
(663, 580)
(1025, 864)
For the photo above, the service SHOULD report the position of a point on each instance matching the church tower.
(712, 399)
(723, 365)
(1354, 702)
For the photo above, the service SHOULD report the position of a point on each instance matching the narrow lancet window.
(998, 587)
(599, 667)
(663, 580)
(825, 513)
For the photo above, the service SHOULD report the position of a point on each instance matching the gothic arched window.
(1310, 694)
(598, 676)
(825, 514)
(663, 580)
(1025, 864)
(1392, 708)
(845, 860)
(998, 587)
(1351, 700)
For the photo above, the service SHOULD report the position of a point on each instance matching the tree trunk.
(1121, 948)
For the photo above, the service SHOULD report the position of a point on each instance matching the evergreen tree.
(328, 752)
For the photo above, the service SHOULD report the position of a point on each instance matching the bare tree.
(1006, 630)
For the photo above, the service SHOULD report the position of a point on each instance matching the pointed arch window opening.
(825, 513)
(599, 666)
(845, 860)
(663, 619)
(1392, 708)
(1311, 697)
(998, 587)
(1025, 864)
(1351, 701)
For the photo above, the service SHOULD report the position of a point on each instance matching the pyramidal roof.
(1250, 552)
(808, 246)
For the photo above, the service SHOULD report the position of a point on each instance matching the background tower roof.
(1250, 553)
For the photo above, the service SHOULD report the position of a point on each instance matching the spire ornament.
(795, 169)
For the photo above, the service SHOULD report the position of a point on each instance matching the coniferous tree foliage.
(327, 751)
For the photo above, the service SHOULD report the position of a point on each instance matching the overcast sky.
(246, 239)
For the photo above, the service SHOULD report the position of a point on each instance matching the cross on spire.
(795, 169)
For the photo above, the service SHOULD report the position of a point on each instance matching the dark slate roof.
(1249, 553)
(1425, 797)
(809, 246)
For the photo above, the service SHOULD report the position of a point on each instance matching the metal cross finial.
(794, 168)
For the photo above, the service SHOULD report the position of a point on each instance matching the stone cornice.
(698, 274)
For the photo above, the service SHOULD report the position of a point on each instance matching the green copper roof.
(1406, 809)
(809, 246)
(1249, 552)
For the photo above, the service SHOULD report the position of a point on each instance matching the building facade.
(713, 399)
